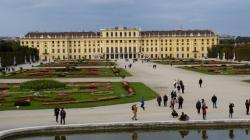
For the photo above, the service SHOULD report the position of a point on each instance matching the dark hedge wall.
(9, 49)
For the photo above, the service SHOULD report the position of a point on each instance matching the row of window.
(127, 49)
(120, 34)
(121, 41)
(170, 44)
(111, 56)
(98, 50)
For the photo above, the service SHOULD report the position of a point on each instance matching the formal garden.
(221, 69)
(248, 81)
(78, 63)
(67, 72)
(43, 94)
(189, 62)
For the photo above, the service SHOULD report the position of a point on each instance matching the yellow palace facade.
(121, 43)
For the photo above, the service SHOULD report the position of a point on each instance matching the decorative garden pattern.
(68, 72)
(221, 69)
(39, 94)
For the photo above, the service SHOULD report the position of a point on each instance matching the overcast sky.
(17, 17)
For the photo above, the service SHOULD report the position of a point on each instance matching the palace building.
(121, 43)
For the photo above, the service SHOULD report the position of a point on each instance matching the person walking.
(178, 88)
(63, 115)
(204, 111)
(182, 88)
(180, 101)
(203, 103)
(231, 110)
(181, 82)
(214, 101)
(172, 94)
(172, 103)
(134, 110)
(56, 113)
(198, 106)
(165, 100)
(159, 100)
(174, 83)
(142, 103)
(200, 82)
(247, 104)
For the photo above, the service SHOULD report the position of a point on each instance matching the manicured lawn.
(248, 81)
(75, 95)
(65, 73)
(220, 70)
(189, 62)
(78, 63)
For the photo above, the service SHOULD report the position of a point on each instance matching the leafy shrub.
(22, 103)
(42, 85)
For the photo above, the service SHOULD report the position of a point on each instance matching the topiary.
(23, 103)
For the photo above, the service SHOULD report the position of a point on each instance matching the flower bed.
(64, 72)
(42, 85)
(92, 94)
(128, 88)
(82, 101)
(78, 63)
(4, 86)
(223, 69)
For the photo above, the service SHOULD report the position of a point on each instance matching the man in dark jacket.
(198, 106)
(214, 101)
(159, 100)
(231, 110)
(247, 104)
(165, 100)
(56, 113)
(180, 101)
(200, 82)
(63, 115)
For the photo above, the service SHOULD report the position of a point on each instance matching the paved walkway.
(227, 88)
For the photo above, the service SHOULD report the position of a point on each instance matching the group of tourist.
(200, 105)
(62, 114)
(179, 85)
(129, 66)
(154, 66)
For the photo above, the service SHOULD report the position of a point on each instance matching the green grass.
(189, 62)
(102, 72)
(227, 71)
(87, 63)
(118, 90)
(248, 81)
(197, 70)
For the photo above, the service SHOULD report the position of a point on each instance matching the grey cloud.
(225, 16)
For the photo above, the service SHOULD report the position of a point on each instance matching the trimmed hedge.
(22, 103)
(42, 85)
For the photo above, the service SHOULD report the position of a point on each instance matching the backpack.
(132, 108)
